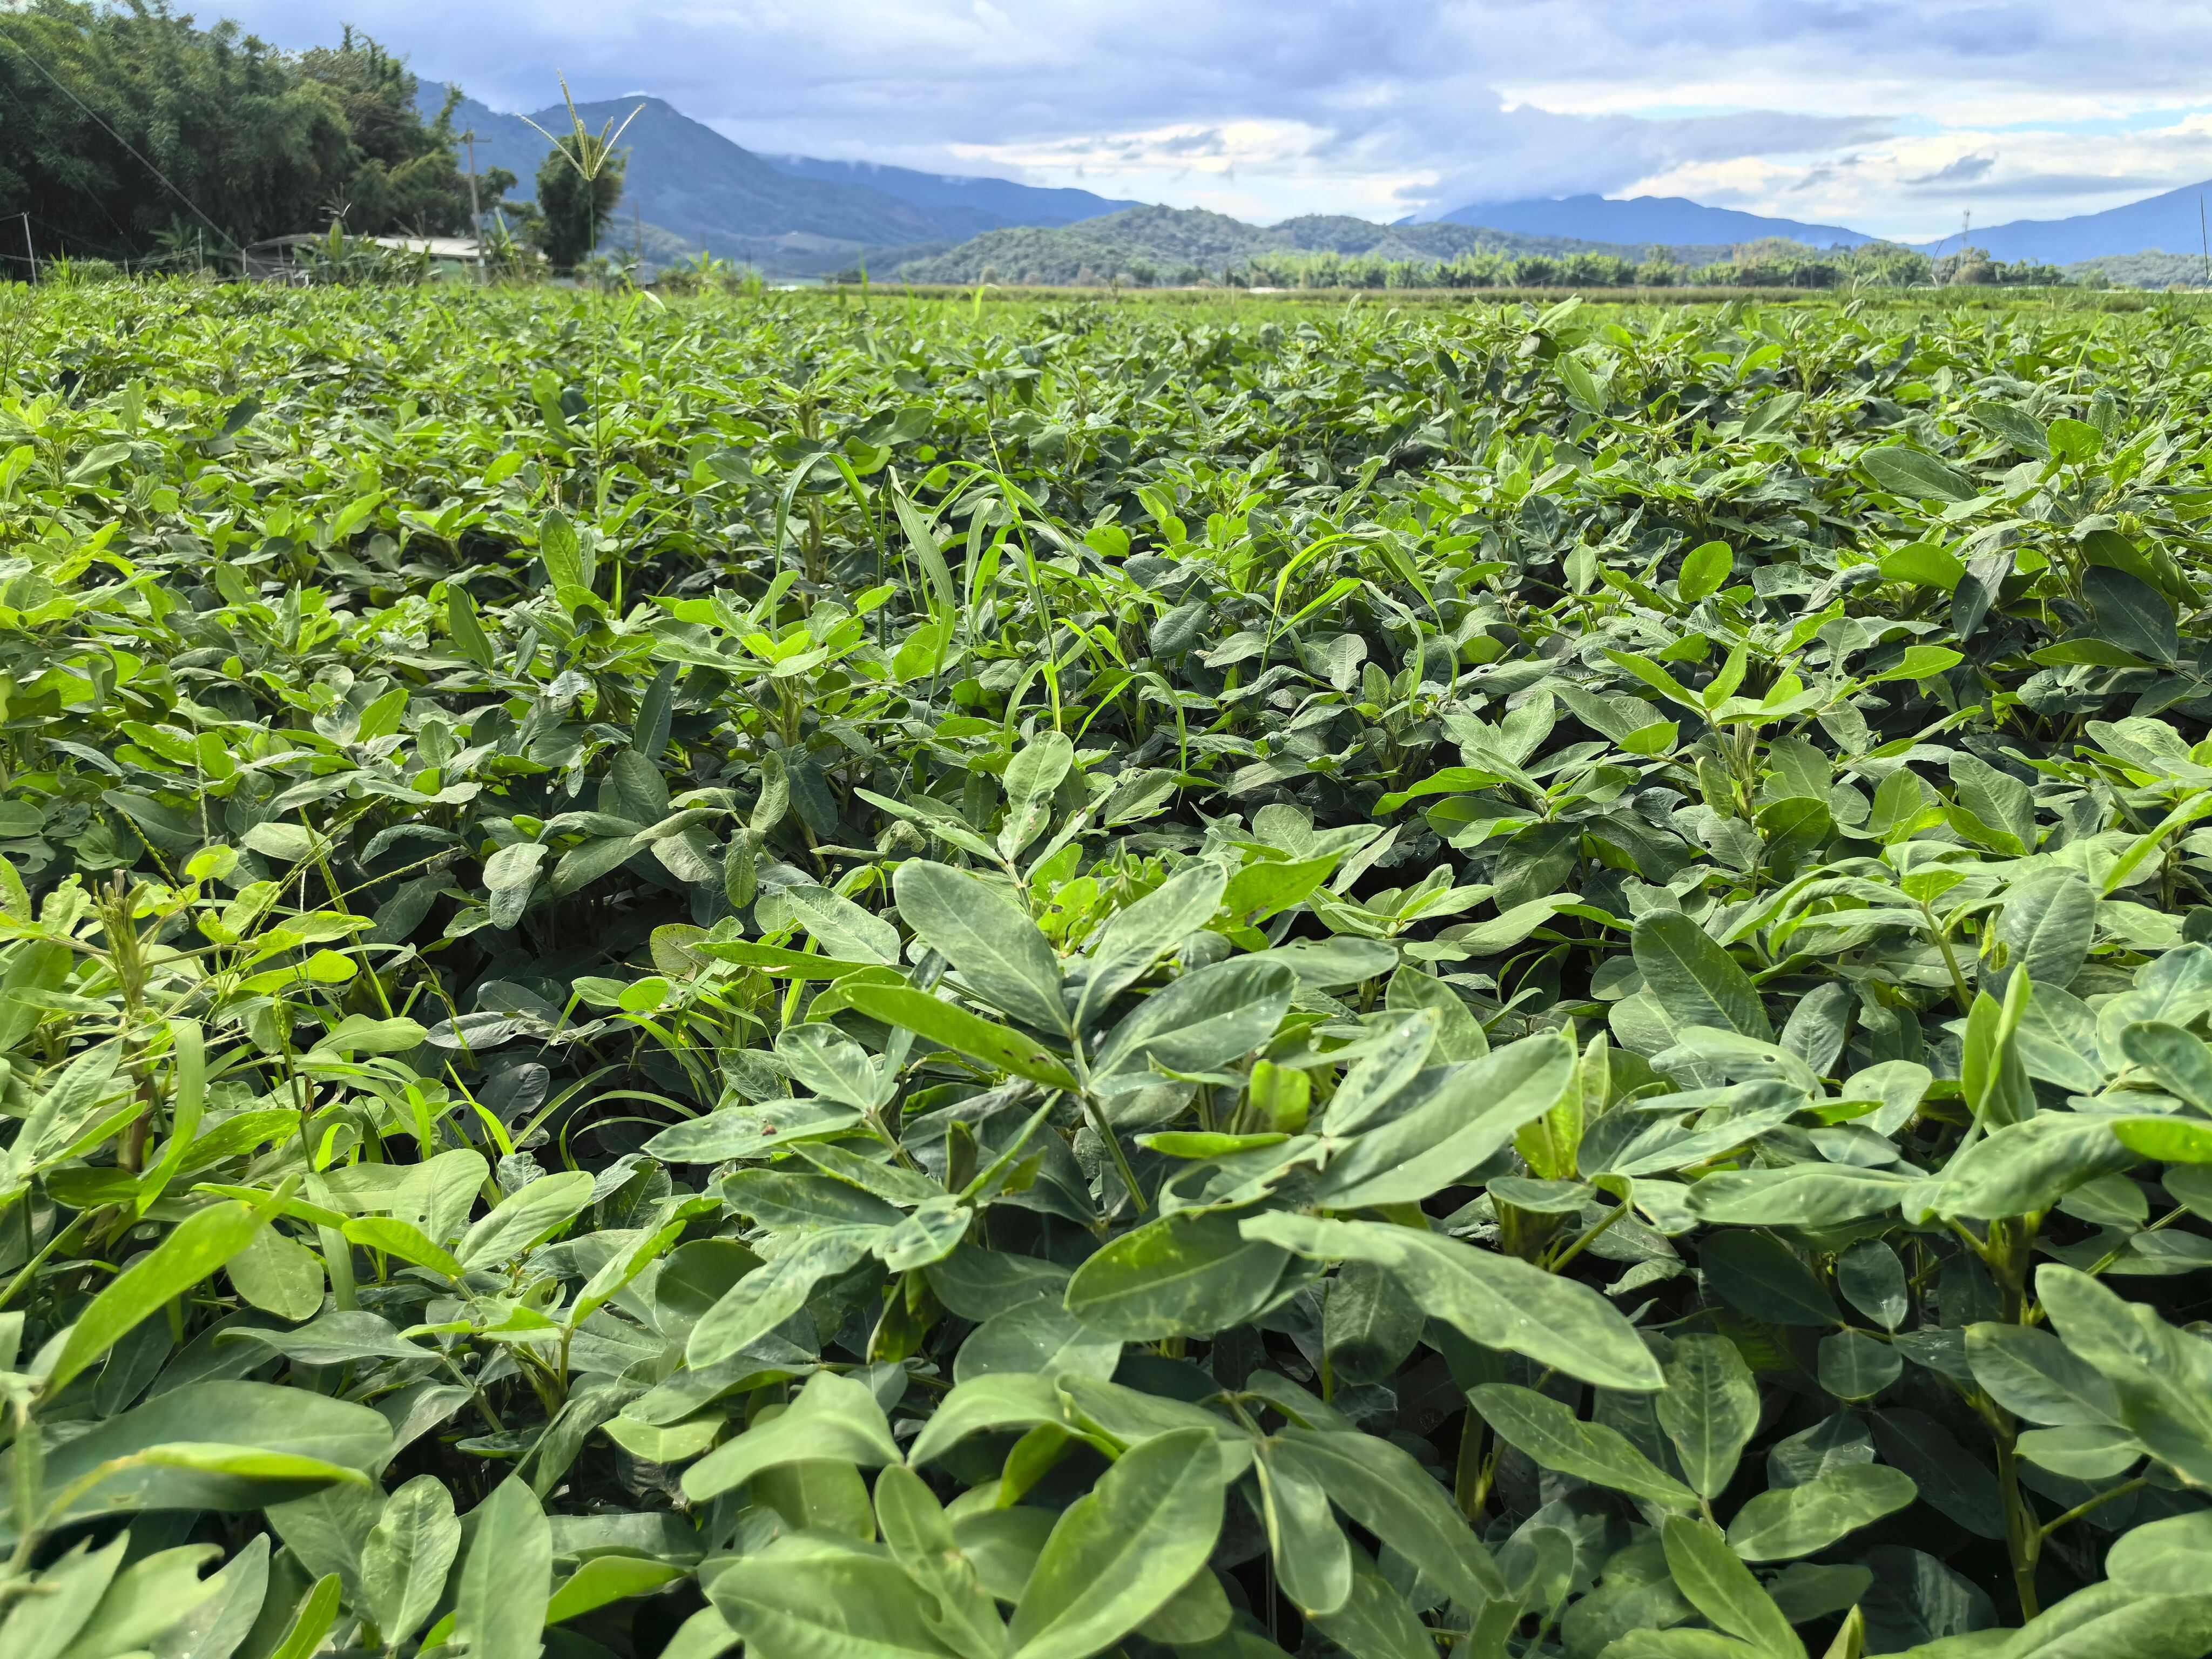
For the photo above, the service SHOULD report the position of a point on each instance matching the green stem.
(1470, 1480)
(2023, 1537)
(2102, 1497)
(1960, 994)
(66, 1236)
(1104, 1131)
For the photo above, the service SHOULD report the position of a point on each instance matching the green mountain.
(790, 213)
(957, 200)
(688, 178)
(2152, 269)
(1654, 221)
(1173, 245)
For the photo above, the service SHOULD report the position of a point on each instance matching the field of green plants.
(918, 982)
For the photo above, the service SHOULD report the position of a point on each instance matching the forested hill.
(1159, 245)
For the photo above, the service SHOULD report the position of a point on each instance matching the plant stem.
(1104, 1131)
(2101, 1498)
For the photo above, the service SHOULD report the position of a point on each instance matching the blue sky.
(1895, 117)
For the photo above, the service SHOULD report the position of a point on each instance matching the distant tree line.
(129, 132)
(1773, 262)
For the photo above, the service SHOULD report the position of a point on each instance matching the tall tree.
(128, 127)
(406, 173)
(124, 122)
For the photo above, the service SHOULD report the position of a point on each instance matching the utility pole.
(476, 213)
(637, 218)
(30, 250)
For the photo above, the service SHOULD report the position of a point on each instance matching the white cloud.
(1871, 112)
(1920, 187)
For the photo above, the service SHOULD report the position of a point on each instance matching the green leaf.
(1872, 1279)
(1466, 1114)
(2168, 1139)
(505, 1579)
(2161, 1375)
(2164, 1557)
(1715, 1581)
(818, 1598)
(1695, 981)
(1924, 565)
(834, 1418)
(2034, 1374)
(2029, 1166)
(249, 1463)
(1136, 937)
(2177, 1062)
(407, 1555)
(981, 1405)
(278, 1275)
(744, 1132)
(998, 951)
(2132, 614)
(146, 1600)
(1709, 1410)
(1796, 1196)
(1460, 1036)
(289, 1422)
(2105, 1621)
(1705, 571)
(1382, 1488)
(1500, 1302)
(1203, 1021)
(1374, 1622)
(400, 1238)
(41, 1626)
(509, 874)
(769, 1295)
(2047, 925)
(953, 1027)
(1553, 1435)
(561, 553)
(958, 1610)
(1760, 1275)
(1369, 1325)
(1312, 1556)
(195, 1248)
(1116, 1556)
(1794, 1520)
(317, 1611)
(1916, 475)
(606, 1579)
(524, 1215)
(1856, 1366)
(1190, 1274)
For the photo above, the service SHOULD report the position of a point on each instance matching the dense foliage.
(1145, 246)
(132, 132)
(915, 983)
(1151, 246)
(1773, 262)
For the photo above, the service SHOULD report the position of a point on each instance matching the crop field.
(922, 980)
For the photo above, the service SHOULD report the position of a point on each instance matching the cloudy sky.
(1895, 117)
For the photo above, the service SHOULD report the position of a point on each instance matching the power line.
(31, 58)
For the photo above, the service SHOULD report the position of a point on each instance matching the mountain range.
(791, 213)
(2171, 224)
(1667, 221)
(690, 186)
